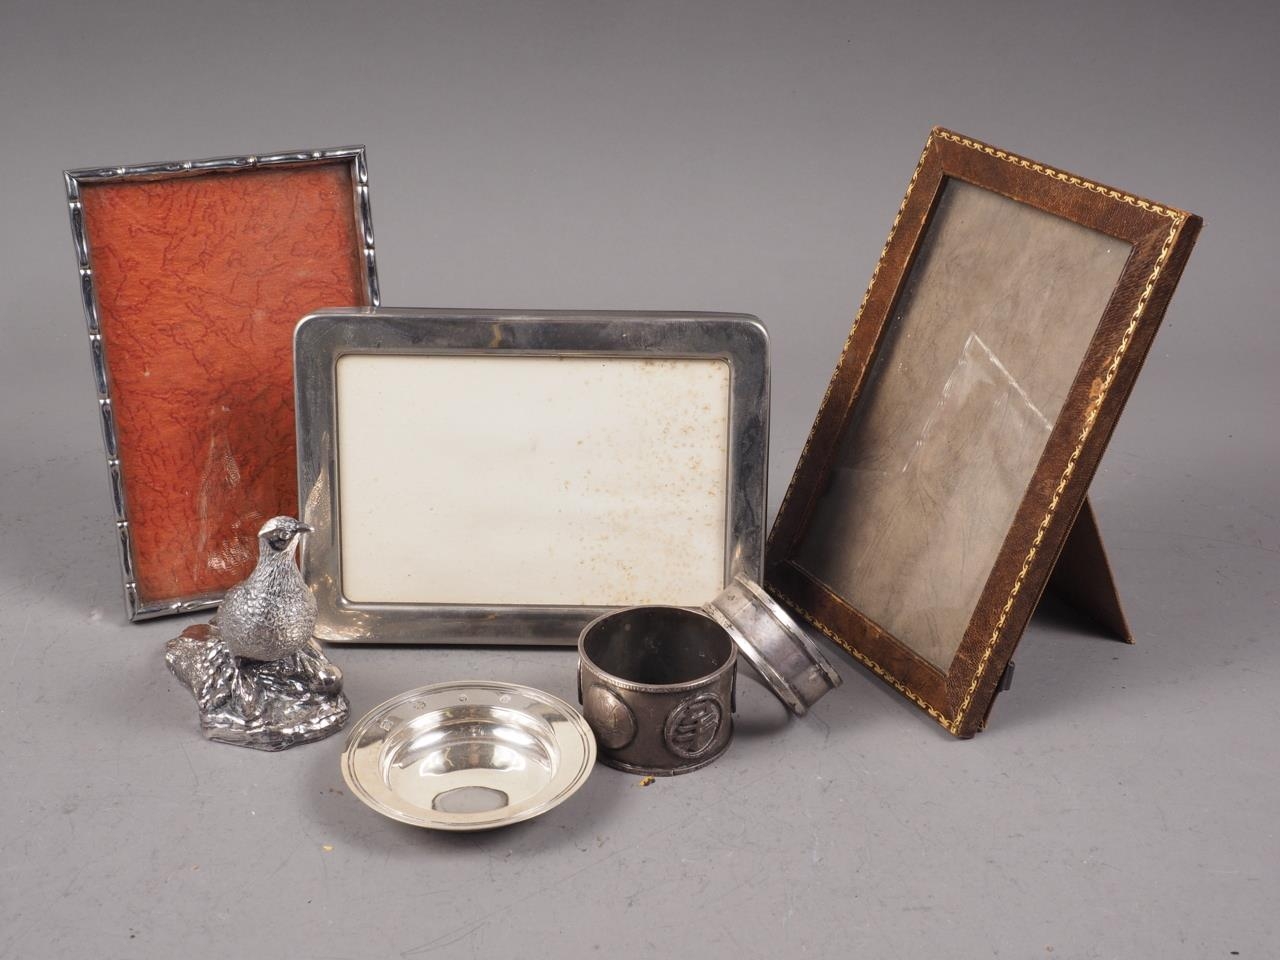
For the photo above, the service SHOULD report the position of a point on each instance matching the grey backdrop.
(687, 156)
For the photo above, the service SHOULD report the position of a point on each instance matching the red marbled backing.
(200, 281)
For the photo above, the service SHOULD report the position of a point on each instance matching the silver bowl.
(471, 755)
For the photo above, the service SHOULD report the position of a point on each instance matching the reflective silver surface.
(325, 336)
(470, 755)
(263, 704)
(271, 613)
(778, 647)
(657, 687)
(135, 607)
(258, 678)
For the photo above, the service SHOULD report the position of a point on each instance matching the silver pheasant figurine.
(258, 677)
(272, 613)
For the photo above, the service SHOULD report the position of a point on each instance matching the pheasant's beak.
(305, 528)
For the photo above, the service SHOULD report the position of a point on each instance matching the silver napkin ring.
(778, 647)
(657, 687)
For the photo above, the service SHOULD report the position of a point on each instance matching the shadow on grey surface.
(865, 702)
(1039, 689)
(760, 713)
(1066, 663)
(1057, 615)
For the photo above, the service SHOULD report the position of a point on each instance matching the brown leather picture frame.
(1071, 278)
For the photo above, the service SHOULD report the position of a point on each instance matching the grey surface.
(646, 156)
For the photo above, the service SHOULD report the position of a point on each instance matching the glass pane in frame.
(199, 281)
(994, 321)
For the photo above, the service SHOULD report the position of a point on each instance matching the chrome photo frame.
(137, 608)
(322, 338)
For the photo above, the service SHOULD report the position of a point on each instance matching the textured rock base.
(267, 705)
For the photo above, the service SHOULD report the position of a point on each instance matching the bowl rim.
(565, 781)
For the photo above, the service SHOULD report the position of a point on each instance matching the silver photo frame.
(142, 602)
(459, 495)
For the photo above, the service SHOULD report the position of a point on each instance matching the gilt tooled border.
(1177, 218)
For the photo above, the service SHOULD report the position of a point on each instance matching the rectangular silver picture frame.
(326, 337)
(138, 605)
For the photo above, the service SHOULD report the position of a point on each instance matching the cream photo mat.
(576, 481)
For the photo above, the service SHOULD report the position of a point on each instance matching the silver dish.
(471, 755)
